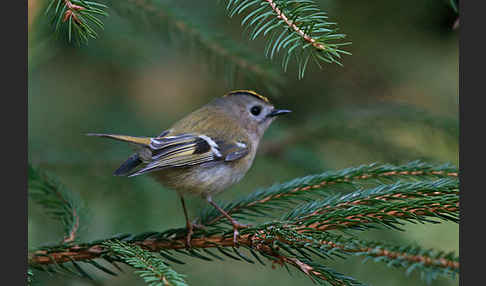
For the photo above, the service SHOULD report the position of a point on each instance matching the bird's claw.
(236, 233)
(190, 231)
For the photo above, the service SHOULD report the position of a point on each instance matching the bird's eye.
(255, 110)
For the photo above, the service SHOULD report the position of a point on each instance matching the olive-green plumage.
(207, 151)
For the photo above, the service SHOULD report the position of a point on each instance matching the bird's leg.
(189, 225)
(236, 225)
(197, 225)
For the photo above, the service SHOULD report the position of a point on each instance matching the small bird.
(205, 152)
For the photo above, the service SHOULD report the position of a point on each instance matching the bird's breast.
(205, 179)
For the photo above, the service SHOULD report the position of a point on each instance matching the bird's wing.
(186, 150)
(233, 151)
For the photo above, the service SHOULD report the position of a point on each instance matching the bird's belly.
(200, 180)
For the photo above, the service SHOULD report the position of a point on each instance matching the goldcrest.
(205, 152)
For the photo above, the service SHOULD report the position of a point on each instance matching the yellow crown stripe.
(248, 92)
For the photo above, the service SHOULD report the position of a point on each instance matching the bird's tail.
(145, 141)
(130, 165)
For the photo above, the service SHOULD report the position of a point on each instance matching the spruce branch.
(57, 200)
(429, 262)
(220, 50)
(134, 252)
(152, 269)
(279, 196)
(398, 191)
(279, 243)
(382, 206)
(256, 238)
(296, 26)
(77, 18)
(297, 238)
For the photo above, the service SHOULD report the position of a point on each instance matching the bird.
(205, 152)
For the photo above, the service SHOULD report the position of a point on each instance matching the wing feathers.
(165, 142)
(181, 150)
(128, 166)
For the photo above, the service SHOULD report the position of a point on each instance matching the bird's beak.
(277, 112)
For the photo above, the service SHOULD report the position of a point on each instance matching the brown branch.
(78, 253)
(427, 261)
(72, 234)
(354, 220)
(257, 241)
(366, 201)
(442, 262)
(254, 240)
(329, 183)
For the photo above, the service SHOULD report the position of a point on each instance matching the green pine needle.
(413, 192)
(266, 201)
(383, 197)
(59, 203)
(428, 262)
(76, 19)
(297, 28)
(153, 270)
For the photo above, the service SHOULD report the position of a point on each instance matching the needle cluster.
(314, 210)
(78, 19)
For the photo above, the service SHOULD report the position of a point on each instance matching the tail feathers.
(125, 138)
(128, 166)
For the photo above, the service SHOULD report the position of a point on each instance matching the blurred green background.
(394, 100)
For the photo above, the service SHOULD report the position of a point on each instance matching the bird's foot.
(190, 232)
(236, 233)
(190, 226)
(198, 225)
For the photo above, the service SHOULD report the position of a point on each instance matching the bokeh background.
(394, 100)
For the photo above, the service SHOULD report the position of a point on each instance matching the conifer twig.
(72, 233)
(429, 262)
(59, 203)
(293, 26)
(391, 214)
(150, 268)
(87, 252)
(382, 194)
(261, 239)
(318, 182)
(297, 26)
(76, 17)
(71, 11)
(294, 240)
